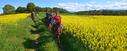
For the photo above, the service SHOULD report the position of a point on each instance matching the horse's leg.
(58, 38)
(59, 33)
(50, 27)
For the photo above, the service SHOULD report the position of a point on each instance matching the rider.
(57, 19)
(58, 28)
(48, 17)
(51, 20)
(33, 16)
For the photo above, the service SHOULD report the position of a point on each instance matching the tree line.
(9, 9)
(102, 12)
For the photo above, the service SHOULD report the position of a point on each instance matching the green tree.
(61, 10)
(21, 9)
(38, 9)
(7, 9)
(46, 9)
(31, 7)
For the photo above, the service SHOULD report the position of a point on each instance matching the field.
(95, 33)
(12, 32)
(82, 33)
(12, 18)
(17, 34)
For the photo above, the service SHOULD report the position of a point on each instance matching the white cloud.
(92, 6)
(118, 5)
(75, 6)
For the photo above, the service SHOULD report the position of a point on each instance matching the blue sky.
(71, 5)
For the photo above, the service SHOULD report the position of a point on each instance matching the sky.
(70, 5)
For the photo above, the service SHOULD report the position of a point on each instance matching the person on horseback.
(51, 20)
(57, 20)
(48, 17)
(58, 27)
(33, 16)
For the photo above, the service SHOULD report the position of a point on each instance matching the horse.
(59, 32)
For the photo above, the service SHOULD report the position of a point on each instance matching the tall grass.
(12, 36)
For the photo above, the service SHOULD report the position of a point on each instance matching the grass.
(70, 43)
(13, 35)
(47, 41)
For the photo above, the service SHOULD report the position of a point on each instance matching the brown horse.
(59, 32)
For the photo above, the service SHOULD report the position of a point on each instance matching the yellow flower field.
(98, 33)
(12, 18)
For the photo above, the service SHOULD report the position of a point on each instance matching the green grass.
(47, 41)
(12, 36)
(70, 43)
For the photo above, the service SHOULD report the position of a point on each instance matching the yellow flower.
(98, 31)
(12, 18)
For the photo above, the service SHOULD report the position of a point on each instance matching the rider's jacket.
(57, 19)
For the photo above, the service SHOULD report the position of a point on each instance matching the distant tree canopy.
(7, 9)
(102, 12)
(54, 9)
(38, 9)
(61, 10)
(21, 9)
(45, 9)
(31, 7)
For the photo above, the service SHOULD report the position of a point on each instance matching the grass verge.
(13, 35)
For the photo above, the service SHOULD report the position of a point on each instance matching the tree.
(21, 9)
(38, 9)
(61, 10)
(56, 9)
(31, 7)
(7, 9)
(45, 9)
